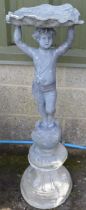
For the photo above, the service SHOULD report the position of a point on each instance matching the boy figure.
(45, 59)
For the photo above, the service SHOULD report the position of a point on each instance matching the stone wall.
(18, 111)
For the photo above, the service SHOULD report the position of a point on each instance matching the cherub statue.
(45, 59)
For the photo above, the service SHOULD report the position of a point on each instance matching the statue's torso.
(45, 67)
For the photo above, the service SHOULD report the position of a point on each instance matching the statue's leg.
(39, 99)
(41, 106)
(50, 99)
(41, 109)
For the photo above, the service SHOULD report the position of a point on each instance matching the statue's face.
(45, 40)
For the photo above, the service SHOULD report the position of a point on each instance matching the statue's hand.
(71, 27)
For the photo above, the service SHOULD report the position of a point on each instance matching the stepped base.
(46, 189)
(49, 159)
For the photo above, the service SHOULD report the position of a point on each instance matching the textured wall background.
(18, 111)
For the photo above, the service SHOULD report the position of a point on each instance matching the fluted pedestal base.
(46, 189)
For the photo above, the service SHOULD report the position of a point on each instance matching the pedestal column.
(46, 183)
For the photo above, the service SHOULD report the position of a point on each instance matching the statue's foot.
(51, 124)
(46, 124)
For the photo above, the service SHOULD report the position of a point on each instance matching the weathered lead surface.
(45, 15)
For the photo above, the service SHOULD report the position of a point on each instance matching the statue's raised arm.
(18, 41)
(68, 43)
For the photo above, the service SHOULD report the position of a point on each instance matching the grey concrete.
(75, 78)
(72, 103)
(75, 131)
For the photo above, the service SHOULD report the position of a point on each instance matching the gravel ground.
(13, 162)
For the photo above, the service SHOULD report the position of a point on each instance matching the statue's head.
(44, 36)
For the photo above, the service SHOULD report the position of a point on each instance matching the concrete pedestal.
(46, 183)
